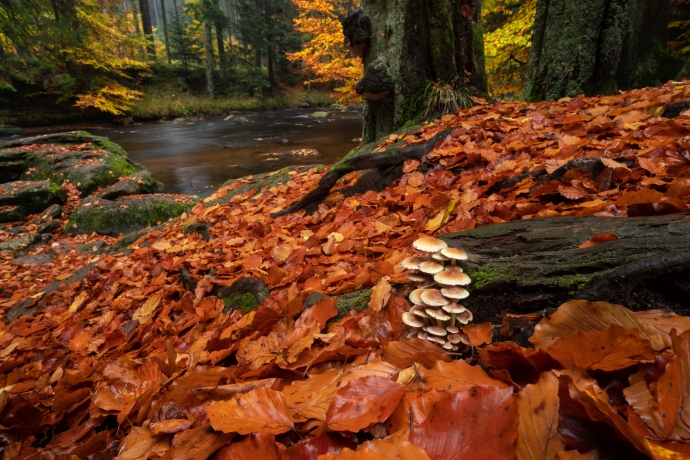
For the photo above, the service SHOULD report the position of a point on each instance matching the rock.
(229, 118)
(95, 247)
(180, 120)
(376, 83)
(357, 300)
(23, 243)
(312, 298)
(244, 294)
(38, 259)
(300, 153)
(202, 229)
(33, 196)
(7, 130)
(125, 215)
(53, 212)
(77, 157)
(12, 213)
(49, 227)
(319, 115)
(137, 184)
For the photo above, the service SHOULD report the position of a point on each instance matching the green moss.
(242, 302)
(357, 300)
(487, 274)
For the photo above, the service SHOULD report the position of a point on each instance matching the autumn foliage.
(132, 362)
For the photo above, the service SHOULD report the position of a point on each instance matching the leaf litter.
(132, 363)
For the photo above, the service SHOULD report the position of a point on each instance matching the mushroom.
(454, 309)
(447, 346)
(452, 278)
(416, 296)
(440, 257)
(412, 263)
(431, 267)
(438, 331)
(454, 338)
(434, 298)
(455, 292)
(454, 254)
(423, 335)
(429, 244)
(419, 311)
(464, 317)
(439, 315)
(412, 320)
(438, 340)
(418, 278)
(412, 334)
(452, 329)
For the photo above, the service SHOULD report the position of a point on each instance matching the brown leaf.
(254, 447)
(380, 294)
(406, 351)
(170, 426)
(456, 376)
(478, 334)
(598, 239)
(664, 321)
(476, 423)
(363, 402)
(612, 349)
(580, 315)
(261, 410)
(538, 437)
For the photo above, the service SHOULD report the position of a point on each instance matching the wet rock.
(300, 153)
(319, 115)
(12, 213)
(77, 157)
(38, 259)
(94, 247)
(33, 196)
(244, 294)
(357, 300)
(137, 184)
(312, 298)
(53, 212)
(125, 215)
(23, 243)
(202, 229)
(49, 227)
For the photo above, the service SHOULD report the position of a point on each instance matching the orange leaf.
(252, 262)
(410, 165)
(261, 410)
(598, 239)
(612, 349)
(363, 402)
(477, 423)
(380, 294)
(456, 376)
(478, 334)
(538, 405)
(253, 447)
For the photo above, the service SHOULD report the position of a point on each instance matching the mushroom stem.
(452, 319)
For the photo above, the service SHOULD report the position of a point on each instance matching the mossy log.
(531, 265)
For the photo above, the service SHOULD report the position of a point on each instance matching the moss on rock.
(242, 302)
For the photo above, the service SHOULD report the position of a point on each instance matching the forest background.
(72, 60)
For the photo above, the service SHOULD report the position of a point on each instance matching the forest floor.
(136, 358)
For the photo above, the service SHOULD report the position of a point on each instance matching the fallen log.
(531, 265)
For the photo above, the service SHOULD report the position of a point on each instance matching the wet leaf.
(261, 410)
(538, 404)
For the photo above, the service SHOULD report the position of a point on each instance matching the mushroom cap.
(437, 330)
(437, 314)
(455, 348)
(447, 346)
(464, 317)
(452, 278)
(454, 338)
(431, 267)
(465, 339)
(412, 320)
(419, 311)
(412, 263)
(429, 244)
(452, 329)
(433, 338)
(418, 277)
(416, 296)
(423, 335)
(434, 298)
(454, 253)
(454, 268)
(454, 308)
(440, 257)
(412, 334)
(455, 292)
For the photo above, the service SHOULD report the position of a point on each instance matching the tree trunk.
(405, 45)
(208, 45)
(221, 48)
(148, 29)
(599, 47)
(137, 29)
(165, 32)
(530, 265)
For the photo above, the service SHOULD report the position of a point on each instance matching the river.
(196, 157)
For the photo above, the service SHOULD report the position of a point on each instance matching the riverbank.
(157, 105)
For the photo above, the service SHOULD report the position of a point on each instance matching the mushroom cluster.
(436, 313)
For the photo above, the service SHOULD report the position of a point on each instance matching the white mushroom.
(429, 244)
(430, 267)
(434, 298)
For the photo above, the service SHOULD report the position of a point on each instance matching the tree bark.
(137, 29)
(165, 32)
(530, 265)
(405, 45)
(208, 46)
(148, 29)
(599, 47)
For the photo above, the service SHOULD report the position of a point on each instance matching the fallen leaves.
(363, 402)
(261, 410)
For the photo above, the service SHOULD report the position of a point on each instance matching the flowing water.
(196, 157)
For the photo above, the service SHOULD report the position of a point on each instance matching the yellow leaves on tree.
(324, 55)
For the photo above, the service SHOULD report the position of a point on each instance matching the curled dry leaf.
(380, 294)
(581, 315)
(456, 376)
(478, 334)
(363, 402)
(261, 410)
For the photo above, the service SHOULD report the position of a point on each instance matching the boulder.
(77, 157)
(11, 214)
(38, 259)
(23, 243)
(32, 196)
(7, 130)
(137, 184)
(124, 215)
(319, 115)
(49, 227)
(53, 212)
